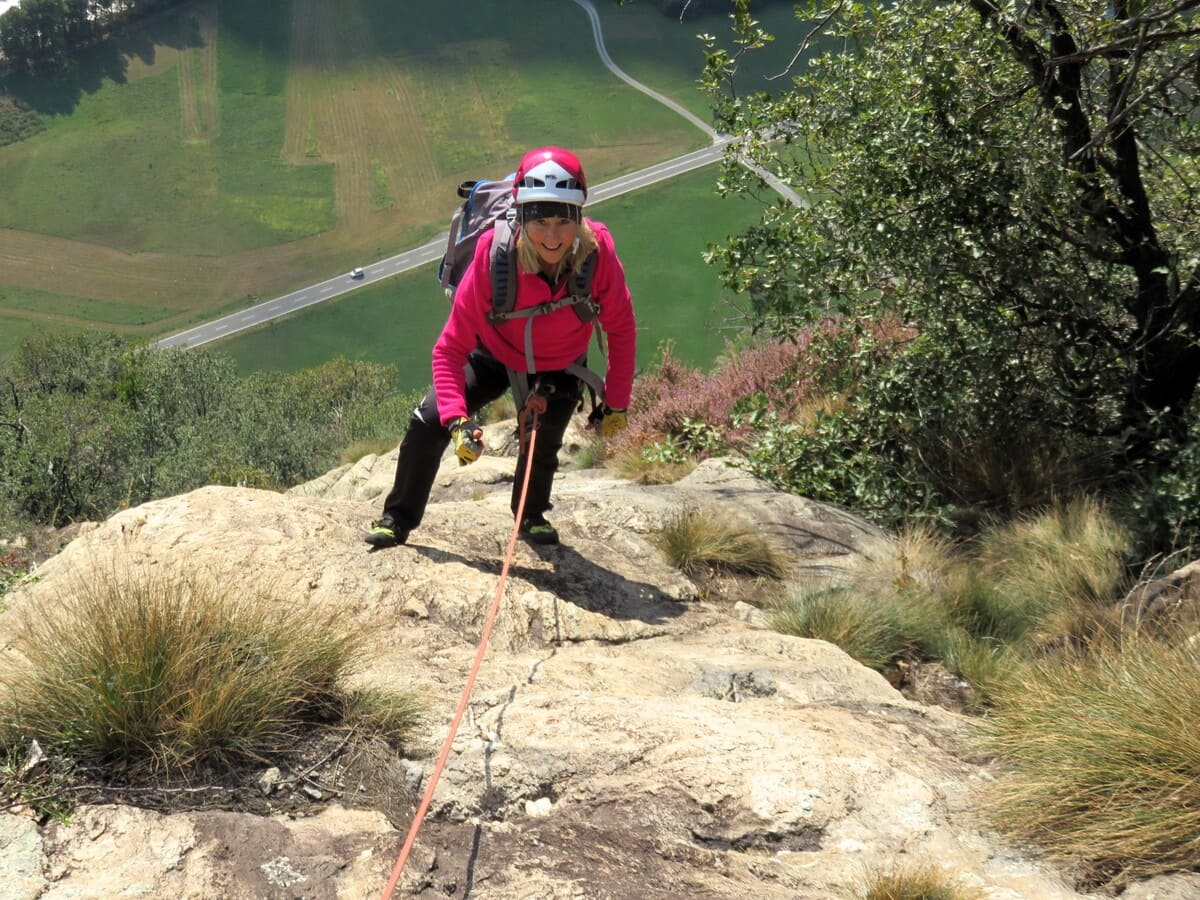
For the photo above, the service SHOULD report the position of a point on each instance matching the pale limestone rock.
(623, 739)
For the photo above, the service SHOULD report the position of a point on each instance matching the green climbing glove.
(468, 440)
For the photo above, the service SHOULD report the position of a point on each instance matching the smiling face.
(551, 237)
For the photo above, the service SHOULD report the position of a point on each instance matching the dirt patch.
(605, 850)
(327, 766)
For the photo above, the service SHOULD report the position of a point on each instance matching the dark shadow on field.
(57, 90)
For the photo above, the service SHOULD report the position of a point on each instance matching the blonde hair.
(585, 243)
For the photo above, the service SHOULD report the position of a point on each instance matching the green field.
(229, 152)
(660, 233)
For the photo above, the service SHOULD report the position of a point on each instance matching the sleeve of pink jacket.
(468, 318)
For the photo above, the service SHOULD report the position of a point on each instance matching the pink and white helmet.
(550, 174)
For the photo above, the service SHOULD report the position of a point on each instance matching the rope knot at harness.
(535, 405)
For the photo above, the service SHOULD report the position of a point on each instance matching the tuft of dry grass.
(914, 881)
(916, 559)
(1044, 583)
(1068, 554)
(651, 468)
(167, 672)
(695, 540)
(1103, 757)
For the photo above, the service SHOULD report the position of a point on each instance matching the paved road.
(412, 259)
(428, 253)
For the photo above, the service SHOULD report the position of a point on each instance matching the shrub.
(17, 120)
(107, 423)
(1103, 758)
(916, 434)
(164, 673)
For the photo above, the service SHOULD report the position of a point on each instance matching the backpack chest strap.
(529, 313)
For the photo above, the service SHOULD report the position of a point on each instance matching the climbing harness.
(534, 406)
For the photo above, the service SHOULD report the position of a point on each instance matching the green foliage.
(28, 777)
(96, 423)
(1103, 759)
(168, 672)
(1164, 507)
(1040, 241)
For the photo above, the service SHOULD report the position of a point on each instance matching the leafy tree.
(46, 31)
(1016, 181)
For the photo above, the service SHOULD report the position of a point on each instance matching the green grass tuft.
(850, 620)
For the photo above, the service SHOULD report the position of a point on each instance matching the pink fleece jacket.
(559, 338)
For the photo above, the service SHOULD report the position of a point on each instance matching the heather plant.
(671, 398)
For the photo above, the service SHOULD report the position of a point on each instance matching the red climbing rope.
(532, 410)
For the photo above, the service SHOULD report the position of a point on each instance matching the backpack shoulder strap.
(502, 264)
(581, 286)
(588, 308)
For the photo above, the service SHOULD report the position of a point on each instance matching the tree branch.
(816, 29)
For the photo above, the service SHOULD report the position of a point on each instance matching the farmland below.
(226, 153)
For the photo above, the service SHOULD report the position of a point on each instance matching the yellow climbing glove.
(468, 440)
(611, 421)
